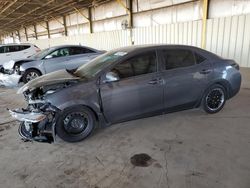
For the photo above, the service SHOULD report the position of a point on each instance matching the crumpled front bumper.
(35, 126)
(32, 117)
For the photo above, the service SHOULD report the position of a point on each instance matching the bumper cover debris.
(35, 126)
(27, 116)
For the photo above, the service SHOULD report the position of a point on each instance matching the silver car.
(125, 84)
(49, 60)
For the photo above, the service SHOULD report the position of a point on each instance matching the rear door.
(18, 51)
(185, 77)
(56, 60)
(26, 50)
(138, 92)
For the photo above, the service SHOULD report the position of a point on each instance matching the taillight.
(37, 49)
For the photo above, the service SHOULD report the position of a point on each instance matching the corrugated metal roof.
(15, 14)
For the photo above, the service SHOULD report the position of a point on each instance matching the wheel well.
(222, 83)
(34, 69)
(226, 86)
(94, 112)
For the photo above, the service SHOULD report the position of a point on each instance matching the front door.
(56, 60)
(138, 91)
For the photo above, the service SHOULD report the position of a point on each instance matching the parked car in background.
(49, 60)
(125, 84)
(16, 51)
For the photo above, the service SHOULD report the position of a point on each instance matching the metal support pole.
(204, 22)
(19, 36)
(65, 26)
(47, 26)
(90, 20)
(26, 35)
(12, 35)
(130, 17)
(35, 32)
(131, 21)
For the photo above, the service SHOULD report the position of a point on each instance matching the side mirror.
(111, 77)
(48, 57)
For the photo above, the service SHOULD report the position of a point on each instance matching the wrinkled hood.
(10, 64)
(57, 77)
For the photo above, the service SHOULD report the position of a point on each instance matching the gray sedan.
(122, 85)
(51, 59)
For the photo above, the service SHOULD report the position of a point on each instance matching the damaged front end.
(38, 119)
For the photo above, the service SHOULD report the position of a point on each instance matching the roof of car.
(69, 45)
(147, 46)
(14, 44)
(129, 49)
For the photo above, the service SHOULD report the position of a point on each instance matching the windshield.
(92, 68)
(40, 54)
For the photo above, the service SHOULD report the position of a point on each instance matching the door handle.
(205, 71)
(7, 54)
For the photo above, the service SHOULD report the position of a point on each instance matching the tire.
(214, 99)
(75, 124)
(23, 132)
(30, 74)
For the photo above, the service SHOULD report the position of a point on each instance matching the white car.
(16, 51)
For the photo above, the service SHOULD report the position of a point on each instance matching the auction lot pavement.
(189, 149)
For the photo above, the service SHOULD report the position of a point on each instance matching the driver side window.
(60, 53)
(138, 65)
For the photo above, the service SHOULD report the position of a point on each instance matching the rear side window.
(178, 58)
(14, 49)
(80, 50)
(141, 64)
(24, 47)
(199, 59)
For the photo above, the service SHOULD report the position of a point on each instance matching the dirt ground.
(188, 149)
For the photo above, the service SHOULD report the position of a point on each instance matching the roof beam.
(77, 10)
(57, 20)
(8, 6)
(49, 2)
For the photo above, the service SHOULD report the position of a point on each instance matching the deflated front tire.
(75, 123)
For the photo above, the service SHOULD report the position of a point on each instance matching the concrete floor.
(189, 149)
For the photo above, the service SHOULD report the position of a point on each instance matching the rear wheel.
(75, 124)
(214, 99)
(30, 74)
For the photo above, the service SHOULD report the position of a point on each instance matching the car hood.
(56, 77)
(10, 64)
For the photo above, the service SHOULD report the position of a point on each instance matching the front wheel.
(30, 74)
(214, 99)
(75, 123)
